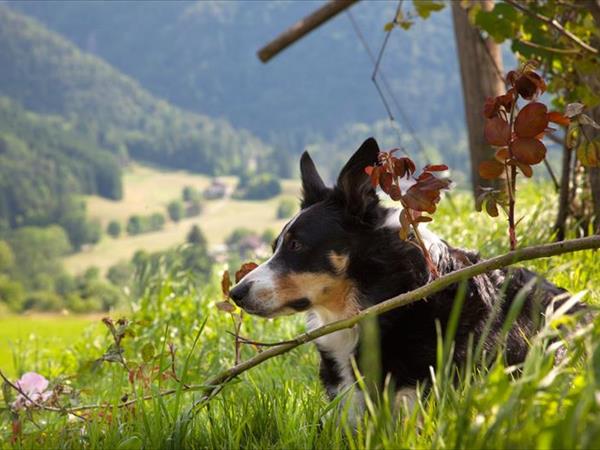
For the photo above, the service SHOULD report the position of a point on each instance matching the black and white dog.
(341, 253)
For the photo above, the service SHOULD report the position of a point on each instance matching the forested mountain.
(202, 56)
(44, 162)
(47, 74)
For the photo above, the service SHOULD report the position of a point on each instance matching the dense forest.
(44, 163)
(47, 74)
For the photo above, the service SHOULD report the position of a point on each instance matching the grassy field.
(37, 333)
(281, 405)
(148, 190)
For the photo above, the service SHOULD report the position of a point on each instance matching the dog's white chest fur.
(340, 346)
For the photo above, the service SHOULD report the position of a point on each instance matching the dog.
(341, 253)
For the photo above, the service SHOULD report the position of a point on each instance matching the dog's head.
(312, 254)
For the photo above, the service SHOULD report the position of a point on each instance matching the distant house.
(216, 190)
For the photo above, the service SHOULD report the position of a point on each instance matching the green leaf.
(388, 27)
(424, 8)
(148, 352)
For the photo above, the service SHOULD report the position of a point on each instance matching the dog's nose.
(240, 292)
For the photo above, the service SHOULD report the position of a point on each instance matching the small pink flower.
(34, 386)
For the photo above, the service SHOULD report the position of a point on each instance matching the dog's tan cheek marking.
(334, 293)
(339, 262)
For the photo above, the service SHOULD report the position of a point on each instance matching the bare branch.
(303, 27)
(554, 24)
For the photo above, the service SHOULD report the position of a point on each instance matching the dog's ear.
(353, 182)
(313, 188)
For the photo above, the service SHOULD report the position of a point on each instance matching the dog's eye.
(294, 245)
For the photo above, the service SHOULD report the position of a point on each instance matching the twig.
(564, 51)
(215, 384)
(555, 24)
(244, 340)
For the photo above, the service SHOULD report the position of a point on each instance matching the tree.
(261, 187)
(286, 208)
(114, 229)
(7, 257)
(134, 225)
(189, 193)
(196, 237)
(176, 211)
(156, 222)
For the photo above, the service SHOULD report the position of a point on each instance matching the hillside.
(44, 161)
(47, 74)
(202, 56)
(148, 190)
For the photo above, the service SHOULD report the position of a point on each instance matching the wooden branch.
(303, 27)
(564, 51)
(554, 24)
(215, 384)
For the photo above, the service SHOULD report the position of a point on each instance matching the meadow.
(44, 333)
(148, 190)
(175, 336)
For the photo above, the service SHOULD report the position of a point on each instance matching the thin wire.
(492, 59)
(377, 70)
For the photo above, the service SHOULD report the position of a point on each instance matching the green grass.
(148, 190)
(280, 404)
(38, 333)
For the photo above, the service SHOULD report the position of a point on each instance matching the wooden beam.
(303, 27)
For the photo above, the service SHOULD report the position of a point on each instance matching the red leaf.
(558, 118)
(506, 100)
(404, 167)
(422, 219)
(395, 193)
(245, 269)
(497, 131)
(528, 150)
(525, 169)
(532, 120)
(502, 154)
(385, 181)
(225, 307)
(491, 107)
(225, 283)
(491, 207)
(425, 194)
(491, 169)
(435, 168)
(375, 171)
(529, 84)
